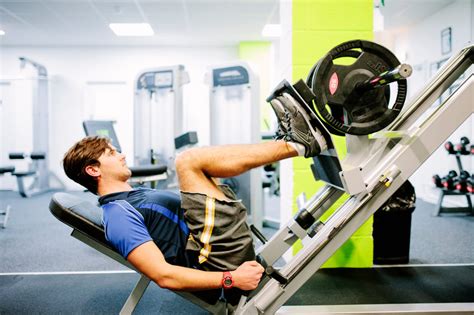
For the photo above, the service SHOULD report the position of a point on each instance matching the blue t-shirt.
(134, 217)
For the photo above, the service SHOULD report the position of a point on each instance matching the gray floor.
(35, 241)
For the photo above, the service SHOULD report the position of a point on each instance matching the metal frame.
(39, 169)
(391, 161)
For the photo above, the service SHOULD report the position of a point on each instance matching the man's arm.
(149, 260)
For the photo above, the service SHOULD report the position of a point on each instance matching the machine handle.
(401, 72)
(258, 234)
(275, 274)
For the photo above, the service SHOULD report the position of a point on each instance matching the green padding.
(318, 26)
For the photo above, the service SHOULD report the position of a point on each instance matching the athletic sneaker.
(300, 129)
(283, 118)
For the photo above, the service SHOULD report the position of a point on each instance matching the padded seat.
(79, 214)
(7, 169)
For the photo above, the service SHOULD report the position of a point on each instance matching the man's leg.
(196, 167)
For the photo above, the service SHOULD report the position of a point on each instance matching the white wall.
(420, 46)
(76, 74)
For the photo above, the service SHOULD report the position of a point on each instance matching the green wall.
(318, 26)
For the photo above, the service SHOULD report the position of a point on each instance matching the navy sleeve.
(124, 226)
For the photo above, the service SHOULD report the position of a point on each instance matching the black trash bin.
(392, 225)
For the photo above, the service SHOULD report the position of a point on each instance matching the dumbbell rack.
(447, 192)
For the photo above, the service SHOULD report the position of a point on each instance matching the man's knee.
(186, 160)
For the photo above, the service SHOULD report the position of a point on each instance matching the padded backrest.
(80, 213)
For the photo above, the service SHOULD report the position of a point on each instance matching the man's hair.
(82, 154)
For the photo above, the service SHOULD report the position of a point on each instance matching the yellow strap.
(207, 231)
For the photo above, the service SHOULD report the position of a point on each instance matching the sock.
(298, 147)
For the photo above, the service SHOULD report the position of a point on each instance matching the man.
(199, 241)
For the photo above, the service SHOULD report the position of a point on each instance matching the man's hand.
(247, 276)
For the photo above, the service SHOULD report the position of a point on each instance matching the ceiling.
(175, 22)
(403, 13)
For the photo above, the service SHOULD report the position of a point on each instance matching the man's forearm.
(186, 279)
(149, 260)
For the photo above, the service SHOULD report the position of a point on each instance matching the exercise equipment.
(448, 180)
(461, 183)
(454, 185)
(38, 169)
(235, 119)
(437, 181)
(158, 117)
(5, 212)
(34, 170)
(354, 98)
(373, 170)
(470, 184)
(461, 147)
(141, 174)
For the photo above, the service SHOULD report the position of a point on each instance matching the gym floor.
(44, 270)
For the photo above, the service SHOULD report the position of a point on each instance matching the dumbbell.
(470, 184)
(437, 181)
(449, 146)
(448, 180)
(461, 148)
(461, 183)
(472, 148)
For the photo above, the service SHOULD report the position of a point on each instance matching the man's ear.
(93, 170)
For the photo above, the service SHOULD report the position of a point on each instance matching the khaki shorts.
(219, 235)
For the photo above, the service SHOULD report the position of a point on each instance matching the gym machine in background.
(235, 119)
(158, 117)
(38, 169)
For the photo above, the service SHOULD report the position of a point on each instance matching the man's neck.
(106, 188)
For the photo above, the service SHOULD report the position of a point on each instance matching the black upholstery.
(79, 214)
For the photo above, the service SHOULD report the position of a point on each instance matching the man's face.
(113, 165)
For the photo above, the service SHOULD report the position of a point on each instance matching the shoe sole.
(276, 103)
(316, 134)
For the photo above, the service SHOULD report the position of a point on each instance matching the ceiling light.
(2, 32)
(132, 29)
(271, 30)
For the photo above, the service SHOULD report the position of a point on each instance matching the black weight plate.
(334, 87)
